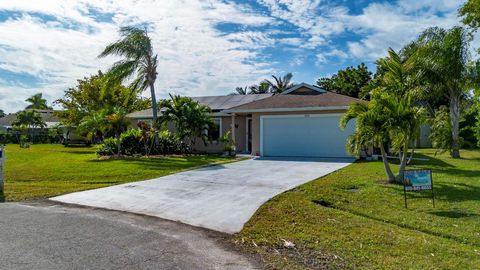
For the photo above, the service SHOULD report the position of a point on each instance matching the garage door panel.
(304, 136)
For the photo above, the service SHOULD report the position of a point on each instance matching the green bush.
(133, 142)
(6, 138)
(108, 147)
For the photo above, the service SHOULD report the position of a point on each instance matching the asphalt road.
(44, 235)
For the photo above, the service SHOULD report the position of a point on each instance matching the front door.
(249, 135)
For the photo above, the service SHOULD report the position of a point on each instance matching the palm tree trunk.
(413, 152)
(403, 163)
(390, 176)
(455, 120)
(154, 103)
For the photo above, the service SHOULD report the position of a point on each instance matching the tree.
(348, 82)
(28, 120)
(138, 62)
(116, 120)
(443, 57)
(2, 113)
(470, 13)
(93, 95)
(37, 102)
(386, 119)
(262, 88)
(280, 84)
(240, 91)
(191, 119)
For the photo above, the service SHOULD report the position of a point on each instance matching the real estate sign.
(417, 180)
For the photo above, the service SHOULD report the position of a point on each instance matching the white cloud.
(195, 58)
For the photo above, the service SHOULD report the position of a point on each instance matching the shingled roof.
(216, 103)
(298, 101)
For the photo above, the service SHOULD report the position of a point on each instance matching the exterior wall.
(256, 125)
(240, 139)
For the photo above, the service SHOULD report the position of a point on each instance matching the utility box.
(2, 167)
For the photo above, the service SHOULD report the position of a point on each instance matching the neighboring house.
(48, 117)
(301, 122)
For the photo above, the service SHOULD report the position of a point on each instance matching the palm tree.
(37, 102)
(371, 130)
(262, 88)
(443, 56)
(93, 124)
(117, 120)
(240, 91)
(28, 120)
(191, 118)
(281, 83)
(138, 61)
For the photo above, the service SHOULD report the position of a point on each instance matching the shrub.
(108, 147)
(133, 143)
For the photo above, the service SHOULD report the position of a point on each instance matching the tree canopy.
(37, 102)
(348, 82)
(92, 95)
(138, 62)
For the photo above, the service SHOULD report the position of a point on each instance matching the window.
(215, 132)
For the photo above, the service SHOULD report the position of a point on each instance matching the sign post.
(417, 180)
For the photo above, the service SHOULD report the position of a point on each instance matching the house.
(48, 117)
(301, 122)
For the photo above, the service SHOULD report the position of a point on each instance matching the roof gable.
(304, 89)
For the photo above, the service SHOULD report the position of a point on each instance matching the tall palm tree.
(443, 55)
(139, 61)
(280, 84)
(37, 102)
(262, 88)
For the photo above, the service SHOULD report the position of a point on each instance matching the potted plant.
(229, 144)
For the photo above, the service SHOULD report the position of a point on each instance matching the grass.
(44, 170)
(352, 219)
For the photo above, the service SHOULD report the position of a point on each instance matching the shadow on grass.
(456, 192)
(453, 214)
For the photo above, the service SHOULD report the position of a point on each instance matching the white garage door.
(315, 135)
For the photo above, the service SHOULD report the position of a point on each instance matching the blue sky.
(204, 47)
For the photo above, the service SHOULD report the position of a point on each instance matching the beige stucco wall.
(256, 125)
(240, 139)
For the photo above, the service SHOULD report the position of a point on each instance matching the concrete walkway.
(220, 198)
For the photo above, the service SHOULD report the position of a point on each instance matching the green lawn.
(47, 170)
(365, 224)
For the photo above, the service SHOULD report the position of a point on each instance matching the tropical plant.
(27, 121)
(443, 56)
(372, 130)
(116, 119)
(280, 84)
(470, 13)
(240, 91)
(138, 62)
(262, 88)
(191, 119)
(37, 102)
(348, 82)
(84, 105)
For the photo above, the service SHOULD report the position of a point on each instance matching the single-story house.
(300, 122)
(48, 117)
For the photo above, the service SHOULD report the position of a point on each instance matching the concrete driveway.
(220, 198)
